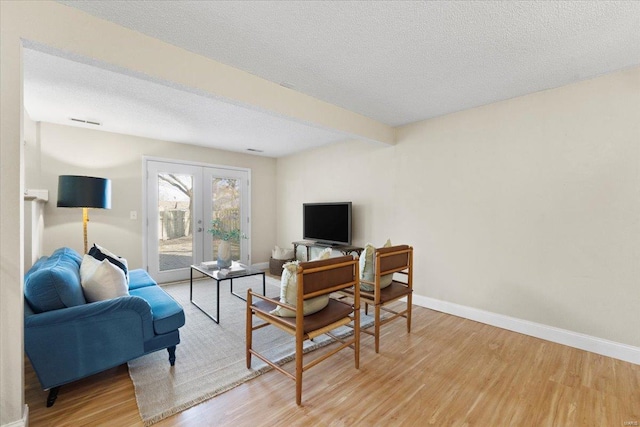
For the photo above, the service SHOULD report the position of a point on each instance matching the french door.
(184, 201)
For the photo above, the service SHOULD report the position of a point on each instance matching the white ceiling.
(396, 62)
(57, 89)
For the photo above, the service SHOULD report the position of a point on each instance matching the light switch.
(133, 215)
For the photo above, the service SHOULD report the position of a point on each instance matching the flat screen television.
(327, 222)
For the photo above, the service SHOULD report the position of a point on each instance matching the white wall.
(12, 407)
(527, 208)
(30, 130)
(66, 150)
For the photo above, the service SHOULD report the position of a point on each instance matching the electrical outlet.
(133, 215)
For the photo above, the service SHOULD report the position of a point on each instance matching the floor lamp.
(84, 192)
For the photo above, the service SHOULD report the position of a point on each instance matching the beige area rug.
(210, 358)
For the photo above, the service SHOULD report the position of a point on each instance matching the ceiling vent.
(89, 122)
(255, 150)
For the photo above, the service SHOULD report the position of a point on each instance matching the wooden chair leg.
(249, 329)
(377, 328)
(299, 371)
(356, 335)
(409, 305)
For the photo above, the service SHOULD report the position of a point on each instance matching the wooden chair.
(397, 260)
(314, 278)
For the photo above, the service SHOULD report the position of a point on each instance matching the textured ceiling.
(396, 62)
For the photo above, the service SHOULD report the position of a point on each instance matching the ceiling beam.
(77, 33)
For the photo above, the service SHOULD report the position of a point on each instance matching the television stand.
(308, 244)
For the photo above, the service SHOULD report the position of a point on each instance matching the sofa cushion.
(102, 280)
(167, 313)
(139, 278)
(35, 267)
(54, 282)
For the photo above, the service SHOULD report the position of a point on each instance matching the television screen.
(327, 222)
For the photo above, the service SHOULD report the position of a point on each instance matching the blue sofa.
(67, 339)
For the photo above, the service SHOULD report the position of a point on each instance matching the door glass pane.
(175, 207)
(225, 217)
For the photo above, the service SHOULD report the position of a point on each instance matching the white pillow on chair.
(289, 290)
(367, 271)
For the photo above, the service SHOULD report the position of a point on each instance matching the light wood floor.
(448, 372)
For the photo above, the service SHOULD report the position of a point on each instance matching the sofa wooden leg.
(172, 355)
(53, 395)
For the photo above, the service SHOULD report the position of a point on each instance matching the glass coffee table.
(218, 277)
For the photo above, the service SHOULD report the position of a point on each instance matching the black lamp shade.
(84, 192)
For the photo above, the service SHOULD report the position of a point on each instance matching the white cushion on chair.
(367, 271)
(289, 290)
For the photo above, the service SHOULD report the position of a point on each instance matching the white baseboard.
(601, 346)
(23, 422)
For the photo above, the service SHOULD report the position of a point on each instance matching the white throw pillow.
(101, 280)
(281, 253)
(367, 271)
(100, 253)
(289, 290)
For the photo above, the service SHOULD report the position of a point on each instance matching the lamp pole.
(85, 220)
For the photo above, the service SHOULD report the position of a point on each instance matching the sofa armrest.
(95, 311)
(71, 343)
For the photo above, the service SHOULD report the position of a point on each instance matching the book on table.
(236, 269)
(209, 265)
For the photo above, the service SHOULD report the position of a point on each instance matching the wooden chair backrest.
(328, 275)
(394, 258)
